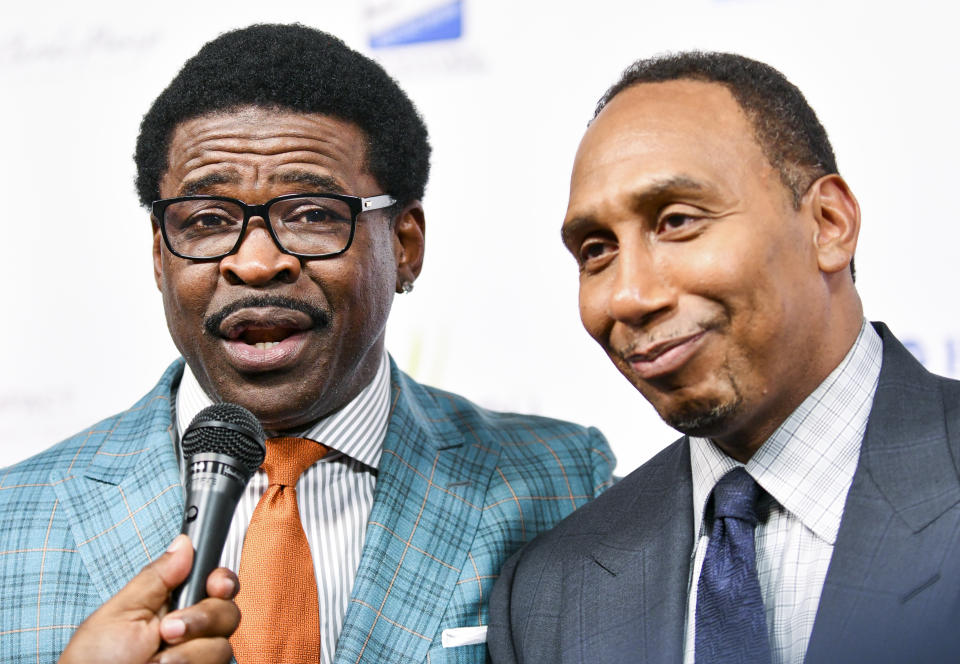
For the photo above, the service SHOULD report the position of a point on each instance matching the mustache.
(665, 337)
(319, 317)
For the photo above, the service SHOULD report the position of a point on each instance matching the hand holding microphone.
(223, 446)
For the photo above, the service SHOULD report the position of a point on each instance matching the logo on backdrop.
(405, 22)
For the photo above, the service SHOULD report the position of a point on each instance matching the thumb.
(125, 628)
(150, 589)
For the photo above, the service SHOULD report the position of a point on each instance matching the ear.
(409, 230)
(837, 216)
(157, 252)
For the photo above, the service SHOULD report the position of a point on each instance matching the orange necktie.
(280, 619)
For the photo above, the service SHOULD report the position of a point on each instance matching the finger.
(174, 565)
(207, 651)
(150, 588)
(222, 583)
(211, 617)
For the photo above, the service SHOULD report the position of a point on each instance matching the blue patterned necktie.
(731, 627)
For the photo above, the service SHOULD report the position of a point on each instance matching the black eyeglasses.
(207, 228)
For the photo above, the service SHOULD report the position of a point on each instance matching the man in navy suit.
(715, 242)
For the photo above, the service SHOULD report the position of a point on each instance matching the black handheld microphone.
(222, 447)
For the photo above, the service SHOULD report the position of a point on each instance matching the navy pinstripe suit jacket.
(459, 488)
(609, 584)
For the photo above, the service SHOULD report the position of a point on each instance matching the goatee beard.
(703, 420)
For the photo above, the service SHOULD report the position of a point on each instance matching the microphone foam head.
(229, 429)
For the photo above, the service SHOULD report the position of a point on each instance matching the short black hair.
(291, 67)
(787, 129)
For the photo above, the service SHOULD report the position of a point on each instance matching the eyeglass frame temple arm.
(376, 202)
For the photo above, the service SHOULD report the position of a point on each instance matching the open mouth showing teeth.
(264, 338)
(264, 328)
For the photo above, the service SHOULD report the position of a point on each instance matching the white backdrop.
(494, 314)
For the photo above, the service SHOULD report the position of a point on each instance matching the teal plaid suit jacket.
(459, 489)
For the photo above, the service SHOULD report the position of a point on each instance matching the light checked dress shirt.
(807, 468)
(334, 496)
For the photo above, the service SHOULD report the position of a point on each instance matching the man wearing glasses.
(284, 174)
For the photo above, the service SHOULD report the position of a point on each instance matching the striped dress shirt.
(806, 468)
(334, 496)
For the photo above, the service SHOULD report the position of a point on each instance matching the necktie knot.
(735, 495)
(287, 458)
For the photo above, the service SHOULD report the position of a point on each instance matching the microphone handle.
(213, 490)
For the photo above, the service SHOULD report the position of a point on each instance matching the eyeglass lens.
(305, 225)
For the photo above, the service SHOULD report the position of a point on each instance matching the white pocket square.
(463, 636)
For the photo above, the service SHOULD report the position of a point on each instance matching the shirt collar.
(357, 430)
(807, 464)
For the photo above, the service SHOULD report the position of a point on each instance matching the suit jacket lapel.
(428, 501)
(905, 480)
(126, 505)
(645, 569)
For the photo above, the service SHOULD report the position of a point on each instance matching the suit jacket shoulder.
(80, 519)
(892, 591)
(609, 581)
(459, 489)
